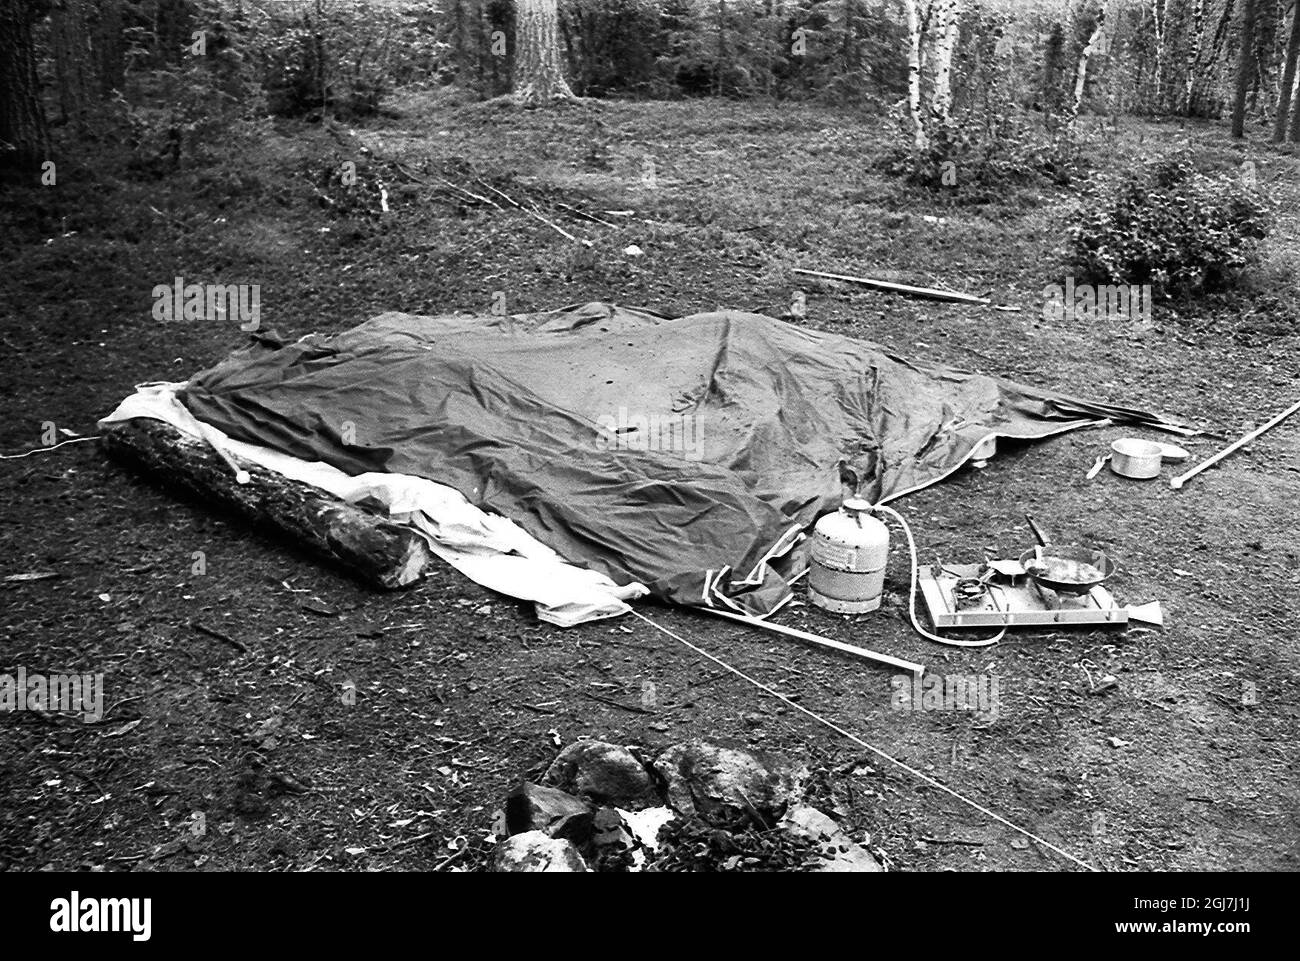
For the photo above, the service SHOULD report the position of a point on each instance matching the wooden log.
(368, 545)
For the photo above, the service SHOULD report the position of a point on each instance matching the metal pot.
(1136, 458)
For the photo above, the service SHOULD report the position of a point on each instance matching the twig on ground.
(447, 183)
(224, 638)
(446, 861)
(533, 213)
(405, 842)
(962, 841)
(583, 214)
(176, 220)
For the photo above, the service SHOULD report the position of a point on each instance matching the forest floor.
(209, 757)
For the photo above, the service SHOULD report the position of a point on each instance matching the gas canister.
(846, 571)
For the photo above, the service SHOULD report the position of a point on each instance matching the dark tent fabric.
(684, 453)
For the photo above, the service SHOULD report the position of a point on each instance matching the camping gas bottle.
(846, 572)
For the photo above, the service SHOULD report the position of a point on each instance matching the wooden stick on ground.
(371, 547)
(914, 669)
(928, 292)
(1182, 479)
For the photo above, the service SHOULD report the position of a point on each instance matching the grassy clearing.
(740, 194)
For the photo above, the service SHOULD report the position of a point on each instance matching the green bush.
(1168, 225)
(978, 156)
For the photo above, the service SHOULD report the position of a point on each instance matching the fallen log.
(366, 544)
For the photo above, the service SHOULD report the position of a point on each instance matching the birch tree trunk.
(920, 141)
(1245, 68)
(1194, 52)
(1288, 77)
(946, 17)
(1295, 108)
(539, 77)
(24, 137)
(1081, 74)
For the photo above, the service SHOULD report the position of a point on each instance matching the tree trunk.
(1194, 52)
(24, 137)
(722, 48)
(111, 48)
(383, 554)
(74, 60)
(1245, 68)
(1158, 15)
(1213, 60)
(920, 141)
(1081, 74)
(539, 77)
(1288, 77)
(1052, 53)
(1295, 109)
(947, 25)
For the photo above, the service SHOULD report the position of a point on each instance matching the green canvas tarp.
(683, 453)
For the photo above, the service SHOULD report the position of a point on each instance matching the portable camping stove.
(976, 595)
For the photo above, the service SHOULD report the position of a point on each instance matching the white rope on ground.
(42, 450)
(857, 740)
(911, 547)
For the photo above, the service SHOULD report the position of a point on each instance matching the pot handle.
(1038, 531)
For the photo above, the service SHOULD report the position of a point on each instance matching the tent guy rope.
(861, 743)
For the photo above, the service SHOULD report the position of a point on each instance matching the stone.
(609, 830)
(605, 774)
(534, 807)
(839, 852)
(718, 783)
(535, 851)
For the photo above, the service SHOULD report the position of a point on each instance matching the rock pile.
(696, 807)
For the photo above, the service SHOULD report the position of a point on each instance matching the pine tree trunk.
(1288, 77)
(111, 48)
(539, 77)
(74, 60)
(1245, 68)
(24, 138)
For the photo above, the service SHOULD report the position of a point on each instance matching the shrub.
(981, 155)
(1168, 225)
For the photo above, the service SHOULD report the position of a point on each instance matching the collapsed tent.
(684, 454)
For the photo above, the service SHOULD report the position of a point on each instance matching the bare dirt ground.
(213, 758)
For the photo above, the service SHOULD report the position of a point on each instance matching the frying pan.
(1058, 559)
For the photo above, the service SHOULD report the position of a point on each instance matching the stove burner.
(969, 592)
